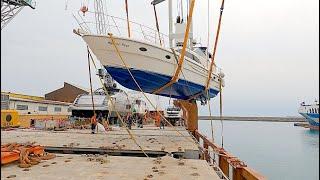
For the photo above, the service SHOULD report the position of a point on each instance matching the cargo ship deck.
(112, 155)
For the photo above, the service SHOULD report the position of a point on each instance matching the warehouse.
(67, 93)
(32, 108)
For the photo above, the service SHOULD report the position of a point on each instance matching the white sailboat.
(151, 61)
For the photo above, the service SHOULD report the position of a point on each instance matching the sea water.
(277, 150)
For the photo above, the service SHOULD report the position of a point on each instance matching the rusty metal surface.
(226, 160)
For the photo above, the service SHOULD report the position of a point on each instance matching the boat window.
(143, 49)
(168, 57)
(191, 56)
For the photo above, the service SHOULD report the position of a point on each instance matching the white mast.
(170, 23)
(171, 34)
(100, 17)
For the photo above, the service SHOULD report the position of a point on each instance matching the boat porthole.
(143, 49)
(168, 57)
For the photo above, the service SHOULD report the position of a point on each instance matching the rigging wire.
(187, 8)
(220, 88)
(66, 5)
(181, 1)
(215, 45)
(209, 99)
(89, 67)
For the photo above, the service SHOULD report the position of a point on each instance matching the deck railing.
(119, 27)
(232, 167)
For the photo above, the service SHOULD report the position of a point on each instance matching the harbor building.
(27, 109)
(68, 93)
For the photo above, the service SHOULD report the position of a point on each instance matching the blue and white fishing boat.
(311, 113)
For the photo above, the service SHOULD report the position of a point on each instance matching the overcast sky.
(267, 49)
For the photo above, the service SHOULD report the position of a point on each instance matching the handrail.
(119, 26)
(227, 163)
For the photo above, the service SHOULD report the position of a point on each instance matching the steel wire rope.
(90, 80)
(208, 98)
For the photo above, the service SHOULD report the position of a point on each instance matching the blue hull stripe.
(313, 119)
(149, 82)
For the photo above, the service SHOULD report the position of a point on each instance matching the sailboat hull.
(149, 81)
(152, 66)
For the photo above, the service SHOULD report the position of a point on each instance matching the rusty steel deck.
(160, 144)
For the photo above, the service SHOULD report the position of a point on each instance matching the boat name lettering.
(119, 44)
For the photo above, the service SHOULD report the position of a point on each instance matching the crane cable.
(157, 23)
(209, 100)
(89, 67)
(215, 46)
(220, 88)
(119, 116)
(128, 23)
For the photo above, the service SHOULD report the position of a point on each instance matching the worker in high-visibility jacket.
(93, 123)
(158, 119)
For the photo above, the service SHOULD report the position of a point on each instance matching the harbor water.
(278, 150)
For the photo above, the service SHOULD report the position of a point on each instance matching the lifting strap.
(215, 47)
(128, 23)
(157, 23)
(183, 52)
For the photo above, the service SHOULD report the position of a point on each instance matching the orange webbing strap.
(183, 52)
(128, 23)
(215, 46)
(157, 23)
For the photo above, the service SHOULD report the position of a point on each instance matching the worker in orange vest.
(93, 123)
(145, 116)
(158, 119)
